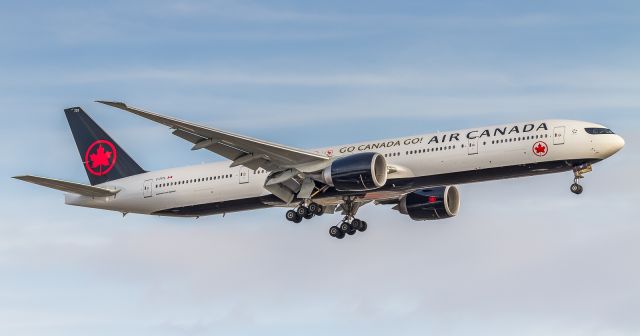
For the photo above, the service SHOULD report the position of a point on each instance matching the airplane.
(416, 175)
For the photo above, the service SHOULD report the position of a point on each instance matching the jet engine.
(430, 204)
(356, 172)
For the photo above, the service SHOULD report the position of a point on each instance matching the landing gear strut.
(578, 171)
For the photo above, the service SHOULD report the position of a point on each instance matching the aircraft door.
(244, 175)
(147, 188)
(473, 146)
(558, 135)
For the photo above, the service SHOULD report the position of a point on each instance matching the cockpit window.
(594, 130)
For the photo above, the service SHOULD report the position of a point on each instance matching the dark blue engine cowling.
(357, 172)
(430, 204)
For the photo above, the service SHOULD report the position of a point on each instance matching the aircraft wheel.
(291, 215)
(345, 227)
(576, 189)
(334, 231)
(302, 211)
(355, 223)
(313, 208)
(363, 226)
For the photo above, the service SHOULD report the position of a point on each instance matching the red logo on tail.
(100, 157)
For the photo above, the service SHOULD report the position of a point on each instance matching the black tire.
(334, 231)
(319, 210)
(291, 215)
(363, 226)
(302, 211)
(576, 189)
(298, 219)
(313, 208)
(309, 215)
(352, 232)
(341, 235)
(355, 223)
(345, 227)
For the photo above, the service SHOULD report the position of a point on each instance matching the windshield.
(594, 130)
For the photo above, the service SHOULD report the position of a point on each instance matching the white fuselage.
(470, 155)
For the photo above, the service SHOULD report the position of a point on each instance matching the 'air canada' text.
(449, 137)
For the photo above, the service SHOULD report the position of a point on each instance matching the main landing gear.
(304, 212)
(350, 224)
(348, 227)
(578, 171)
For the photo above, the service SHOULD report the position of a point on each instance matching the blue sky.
(524, 256)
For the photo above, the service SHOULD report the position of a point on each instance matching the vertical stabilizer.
(103, 159)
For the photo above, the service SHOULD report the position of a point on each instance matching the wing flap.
(69, 187)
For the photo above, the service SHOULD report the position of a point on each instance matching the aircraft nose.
(619, 142)
(616, 144)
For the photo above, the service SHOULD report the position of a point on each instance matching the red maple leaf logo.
(540, 148)
(329, 152)
(100, 158)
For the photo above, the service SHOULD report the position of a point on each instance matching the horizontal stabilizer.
(70, 187)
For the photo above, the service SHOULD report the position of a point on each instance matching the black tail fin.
(103, 159)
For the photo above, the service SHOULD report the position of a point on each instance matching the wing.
(70, 187)
(242, 150)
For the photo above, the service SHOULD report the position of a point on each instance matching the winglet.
(119, 105)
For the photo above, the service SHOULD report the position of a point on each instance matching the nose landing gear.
(578, 171)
